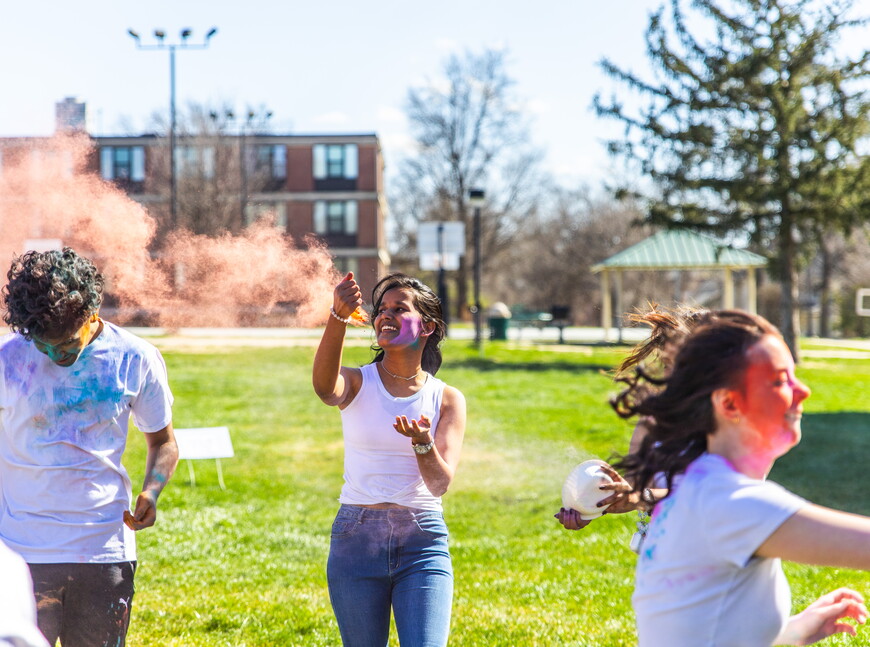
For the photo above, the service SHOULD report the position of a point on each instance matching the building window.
(277, 211)
(124, 164)
(272, 160)
(345, 264)
(335, 218)
(195, 161)
(335, 166)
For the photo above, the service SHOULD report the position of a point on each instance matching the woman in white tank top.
(403, 430)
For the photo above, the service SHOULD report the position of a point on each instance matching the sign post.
(439, 246)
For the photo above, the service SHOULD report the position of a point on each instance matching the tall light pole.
(476, 198)
(442, 277)
(183, 43)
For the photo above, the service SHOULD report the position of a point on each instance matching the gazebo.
(677, 249)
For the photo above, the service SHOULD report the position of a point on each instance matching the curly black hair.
(51, 293)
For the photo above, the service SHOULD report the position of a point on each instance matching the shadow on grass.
(828, 467)
(485, 365)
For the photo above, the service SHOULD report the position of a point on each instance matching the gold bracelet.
(335, 314)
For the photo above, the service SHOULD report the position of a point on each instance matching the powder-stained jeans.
(392, 557)
(85, 605)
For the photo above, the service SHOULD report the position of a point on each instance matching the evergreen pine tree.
(753, 131)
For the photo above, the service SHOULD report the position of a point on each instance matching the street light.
(477, 198)
(160, 35)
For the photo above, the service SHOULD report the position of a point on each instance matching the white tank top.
(380, 465)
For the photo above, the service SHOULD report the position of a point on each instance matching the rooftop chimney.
(69, 117)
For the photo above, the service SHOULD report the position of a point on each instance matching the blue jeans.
(395, 557)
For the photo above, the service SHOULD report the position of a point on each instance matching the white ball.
(581, 489)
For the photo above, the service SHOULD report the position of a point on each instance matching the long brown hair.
(679, 407)
(667, 326)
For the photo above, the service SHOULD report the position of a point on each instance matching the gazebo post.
(751, 291)
(605, 303)
(727, 289)
(619, 308)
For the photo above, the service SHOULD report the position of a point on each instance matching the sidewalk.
(179, 338)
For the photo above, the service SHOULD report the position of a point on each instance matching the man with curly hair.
(68, 384)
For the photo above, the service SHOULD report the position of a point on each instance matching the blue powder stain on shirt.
(77, 411)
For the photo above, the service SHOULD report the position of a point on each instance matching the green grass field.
(245, 566)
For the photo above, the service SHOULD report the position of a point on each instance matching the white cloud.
(447, 45)
(390, 115)
(538, 106)
(334, 118)
(396, 144)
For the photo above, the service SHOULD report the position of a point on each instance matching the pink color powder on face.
(409, 331)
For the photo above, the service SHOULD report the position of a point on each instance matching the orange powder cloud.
(228, 280)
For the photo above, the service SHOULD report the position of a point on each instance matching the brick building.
(327, 186)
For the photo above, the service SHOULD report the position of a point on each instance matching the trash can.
(498, 317)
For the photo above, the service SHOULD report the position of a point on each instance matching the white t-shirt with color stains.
(63, 431)
(698, 583)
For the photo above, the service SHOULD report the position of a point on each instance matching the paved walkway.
(277, 337)
(576, 339)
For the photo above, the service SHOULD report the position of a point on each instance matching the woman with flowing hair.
(709, 572)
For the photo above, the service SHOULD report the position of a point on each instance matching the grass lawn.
(245, 566)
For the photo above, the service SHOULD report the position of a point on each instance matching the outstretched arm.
(821, 536)
(159, 467)
(329, 379)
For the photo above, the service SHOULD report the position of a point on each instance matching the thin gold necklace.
(399, 377)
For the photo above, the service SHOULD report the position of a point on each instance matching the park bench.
(558, 317)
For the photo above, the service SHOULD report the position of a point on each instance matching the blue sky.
(321, 66)
(325, 66)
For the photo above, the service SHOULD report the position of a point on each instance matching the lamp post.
(160, 35)
(442, 277)
(476, 198)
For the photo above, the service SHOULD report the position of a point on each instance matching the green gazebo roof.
(680, 249)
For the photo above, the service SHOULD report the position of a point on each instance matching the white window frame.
(349, 161)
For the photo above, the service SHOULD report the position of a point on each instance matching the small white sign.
(441, 238)
(204, 442)
(437, 261)
(860, 296)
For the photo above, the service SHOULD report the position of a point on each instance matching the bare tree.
(550, 263)
(470, 134)
(215, 165)
(852, 272)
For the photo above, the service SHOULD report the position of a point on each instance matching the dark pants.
(84, 605)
